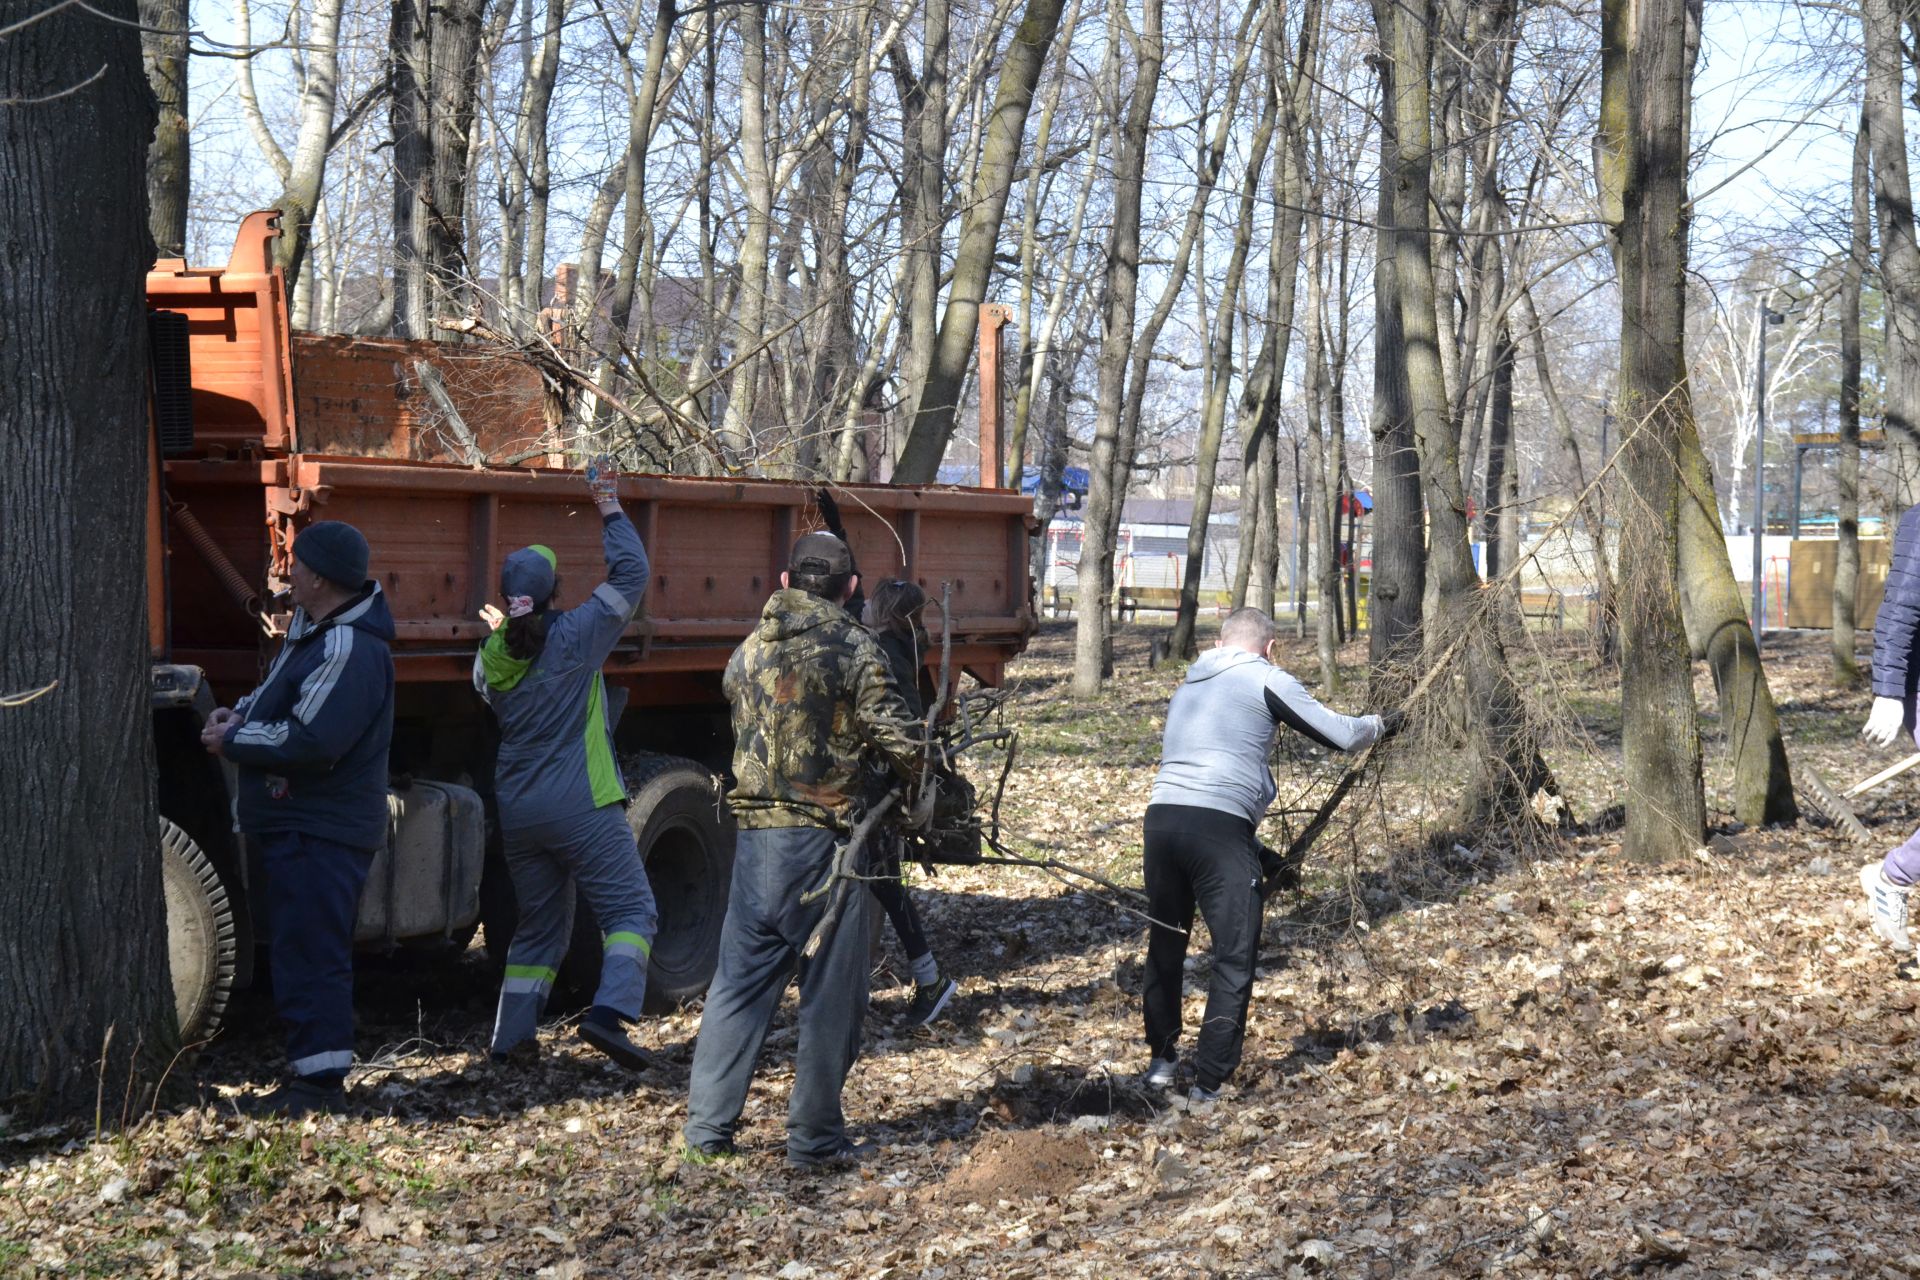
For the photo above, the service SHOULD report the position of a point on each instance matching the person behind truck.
(1896, 672)
(893, 615)
(562, 801)
(810, 696)
(310, 745)
(1212, 789)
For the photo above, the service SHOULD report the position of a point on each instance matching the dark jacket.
(811, 694)
(1897, 627)
(556, 724)
(311, 744)
(906, 667)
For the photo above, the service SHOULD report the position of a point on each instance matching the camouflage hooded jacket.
(810, 697)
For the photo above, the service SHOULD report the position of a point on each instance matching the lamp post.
(1768, 316)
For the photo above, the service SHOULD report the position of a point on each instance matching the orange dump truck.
(260, 430)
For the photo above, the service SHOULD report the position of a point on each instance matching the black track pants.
(1209, 859)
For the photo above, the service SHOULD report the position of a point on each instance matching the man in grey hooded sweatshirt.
(1213, 788)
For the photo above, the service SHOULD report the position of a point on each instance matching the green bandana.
(502, 669)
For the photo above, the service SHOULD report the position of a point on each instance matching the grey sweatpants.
(760, 943)
(596, 851)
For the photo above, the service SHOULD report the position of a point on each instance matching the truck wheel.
(686, 839)
(201, 941)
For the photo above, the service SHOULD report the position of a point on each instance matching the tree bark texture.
(83, 953)
(1719, 631)
(1846, 570)
(1899, 253)
(1398, 585)
(1666, 806)
(1108, 470)
(435, 50)
(299, 201)
(169, 170)
(1507, 766)
(923, 188)
(973, 262)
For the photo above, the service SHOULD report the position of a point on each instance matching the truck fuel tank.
(426, 879)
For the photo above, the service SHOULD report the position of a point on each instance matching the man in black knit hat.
(311, 747)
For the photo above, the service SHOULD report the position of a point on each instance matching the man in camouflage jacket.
(811, 699)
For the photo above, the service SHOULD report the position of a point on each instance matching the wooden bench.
(1059, 603)
(1546, 605)
(1130, 601)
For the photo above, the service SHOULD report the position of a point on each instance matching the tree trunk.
(1212, 157)
(1508, 768)
(643, 101)
(939, 401)
(1323, 468)
(1846, 571)
(169, 170)
(1398, 586)
(1899, 253)
(1214, 414)
(1108, 470)
(1718, 630)
(1499, 509)
(1605, 620)
(1033, 354)
(435, 56)
(88, 1005)
(750, 308)
(1647, 66)
(923, 186)
(299, 201)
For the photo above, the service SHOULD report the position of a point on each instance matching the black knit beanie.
(334, 550)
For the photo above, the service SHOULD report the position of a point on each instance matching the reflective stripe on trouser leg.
(545, 894)
(523, 995)
(313, 893)
(599, 849)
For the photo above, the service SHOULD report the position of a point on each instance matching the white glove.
(1884, 723)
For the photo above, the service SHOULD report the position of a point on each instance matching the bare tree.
(88, 1004)
(933, 416)
(436, 48)
(1397, 590)
(1899, 252)
(163, 44)
(1647, 74)
(1846, 572)
(1091, 654)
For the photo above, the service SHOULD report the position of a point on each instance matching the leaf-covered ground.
(1555, 1063)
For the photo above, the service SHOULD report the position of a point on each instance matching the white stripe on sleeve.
(314, 691)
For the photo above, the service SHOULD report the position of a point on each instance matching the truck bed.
(291, 428)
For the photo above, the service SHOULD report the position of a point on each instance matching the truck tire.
(202, 945)
(685, 837)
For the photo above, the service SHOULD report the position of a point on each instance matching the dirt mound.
(1019, 1163)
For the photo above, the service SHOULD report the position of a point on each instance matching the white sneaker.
(1887, 905)
(1160, 1074)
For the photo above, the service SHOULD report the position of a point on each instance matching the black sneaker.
(613, 1042)
(929, 1000)
(296, 1099)
(524, 1054)
(844, 1156)
(710, 1151)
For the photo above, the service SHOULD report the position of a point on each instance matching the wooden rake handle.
(1885, 775)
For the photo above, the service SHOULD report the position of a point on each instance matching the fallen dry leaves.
(1562, 1065)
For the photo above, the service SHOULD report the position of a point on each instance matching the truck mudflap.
(425, 880)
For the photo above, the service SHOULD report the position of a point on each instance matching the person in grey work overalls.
(561, 797)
